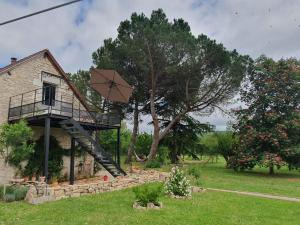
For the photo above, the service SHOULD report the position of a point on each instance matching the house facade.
(37, 89)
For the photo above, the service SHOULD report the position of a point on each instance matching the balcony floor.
(39, 120)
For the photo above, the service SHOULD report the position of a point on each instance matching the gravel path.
(290, 199)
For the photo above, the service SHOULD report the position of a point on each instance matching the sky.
(72, 33)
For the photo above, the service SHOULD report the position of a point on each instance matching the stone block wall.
(41, 192)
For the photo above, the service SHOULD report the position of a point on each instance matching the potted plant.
(42, 179)
(33, 177)
(26, 178)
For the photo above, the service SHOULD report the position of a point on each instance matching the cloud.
(72, 33)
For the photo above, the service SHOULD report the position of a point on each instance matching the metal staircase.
(84, 139)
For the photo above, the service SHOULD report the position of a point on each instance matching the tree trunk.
(155, 137)
(173, 156)
(134, 133)
(271, 169)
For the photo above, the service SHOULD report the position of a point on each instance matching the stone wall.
(41, 192)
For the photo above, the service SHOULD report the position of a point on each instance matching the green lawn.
(116, 208)
(215, 175)
(284, 182)
(210, 207)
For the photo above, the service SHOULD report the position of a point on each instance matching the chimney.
(13, 60)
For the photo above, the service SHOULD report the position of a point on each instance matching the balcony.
(56, 102)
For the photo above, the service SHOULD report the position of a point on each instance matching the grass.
(215, 175)
(116, 208)
(284, 182)
(210, 207)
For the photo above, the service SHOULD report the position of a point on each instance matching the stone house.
(37, 89)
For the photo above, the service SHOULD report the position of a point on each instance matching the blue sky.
(72, 33)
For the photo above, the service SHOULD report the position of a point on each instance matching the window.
(49, 94)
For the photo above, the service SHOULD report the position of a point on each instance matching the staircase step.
(84, 139)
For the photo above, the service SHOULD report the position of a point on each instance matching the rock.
(136, 205)
(196, 189)
(150, 205)
(59, 193)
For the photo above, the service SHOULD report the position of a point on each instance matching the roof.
(51, 58)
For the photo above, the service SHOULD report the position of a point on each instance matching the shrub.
(143, 144)
(148, 194)
(194, 171)
(16, 143)
(196, 174)
(13, 193)
(9, 197)
(177, 184)
(1, 192)
(20, 193)
(36, 159)
(153, 164)
(163, 153)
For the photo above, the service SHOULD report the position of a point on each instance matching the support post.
(8, 114)
(46, 146)
(118, 146)
(72, 162)
(21, 109)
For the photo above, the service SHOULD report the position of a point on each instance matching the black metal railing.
(63, 102)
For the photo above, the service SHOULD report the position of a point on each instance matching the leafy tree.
(16, 143)
(173, 72)
(184, 138)
(108, 140)
(81, 80)
(127, 60)
(269, 127)
(227, 143)
(210, 144)
(143, 143)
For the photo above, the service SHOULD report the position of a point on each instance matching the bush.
(20, 193)
(153, 164)
(13, 193)
(163, 153)
(148, 194)
(1, 192)
(194, 171)
(177, 184)
(143, 143)
(35, 162)
(196, 174)
(16, 143)
(9, 198)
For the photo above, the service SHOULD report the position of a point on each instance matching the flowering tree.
(178, 185)
(268, 128)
